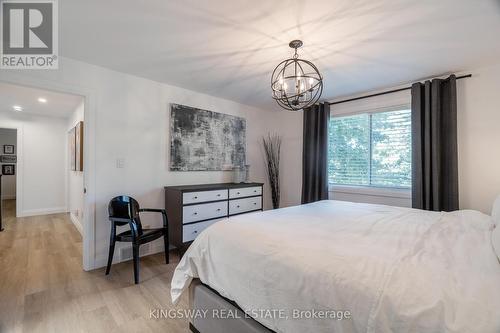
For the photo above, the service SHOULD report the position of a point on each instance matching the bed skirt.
(223, 316)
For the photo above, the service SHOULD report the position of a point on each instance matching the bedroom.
(132, 61)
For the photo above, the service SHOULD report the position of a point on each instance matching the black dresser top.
(209, 187)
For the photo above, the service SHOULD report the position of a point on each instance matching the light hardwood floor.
(44, 289)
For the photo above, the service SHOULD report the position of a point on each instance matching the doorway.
(89, 97)
(39, 133)
(8, 162)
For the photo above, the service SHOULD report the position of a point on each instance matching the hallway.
(44, 289)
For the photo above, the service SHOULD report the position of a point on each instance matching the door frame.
(89, 161)
(19, 163)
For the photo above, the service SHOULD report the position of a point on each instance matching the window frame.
(372, 190)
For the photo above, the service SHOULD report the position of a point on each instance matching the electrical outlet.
(126, 252)
(120, 163)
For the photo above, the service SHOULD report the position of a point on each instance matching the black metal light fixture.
(296, 83)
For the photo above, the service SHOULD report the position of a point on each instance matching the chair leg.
(111, 249)
(135, 248)
(165, 242)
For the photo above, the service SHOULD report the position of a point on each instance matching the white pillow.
(495, 240)
(495, 212)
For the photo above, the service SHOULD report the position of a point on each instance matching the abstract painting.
(205, 140)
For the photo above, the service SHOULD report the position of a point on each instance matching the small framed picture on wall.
(8, 159)
(8, 169)
(8, 149)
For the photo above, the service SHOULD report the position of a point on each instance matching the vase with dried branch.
(272, 148)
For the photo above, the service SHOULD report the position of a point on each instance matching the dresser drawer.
(245, 192)
(191, 231)
(203, 196)
(207, 211)
(244, 205)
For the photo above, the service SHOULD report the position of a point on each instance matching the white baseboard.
(76, 222)
(43, 211)
(102, 261)
(8, 196)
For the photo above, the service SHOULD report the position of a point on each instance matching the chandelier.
(296, 83)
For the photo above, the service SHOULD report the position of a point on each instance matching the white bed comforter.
(395, 269)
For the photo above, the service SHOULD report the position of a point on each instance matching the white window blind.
(372, 149)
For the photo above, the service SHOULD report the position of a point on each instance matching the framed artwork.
(72, 149)
(8, 159)
(8, 149)
(205, 140)
(79, 146)
(8, 169)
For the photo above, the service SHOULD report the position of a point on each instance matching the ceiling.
(228, 48)
(57, 105)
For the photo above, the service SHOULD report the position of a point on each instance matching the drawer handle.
(238, 206)
(238, 193)
(218, 209)
(195, 213)
(218, 195)
(196, 231)
(254, 191)
(254, 203)
(195, 198)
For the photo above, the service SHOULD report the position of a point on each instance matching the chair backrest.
(125, 207)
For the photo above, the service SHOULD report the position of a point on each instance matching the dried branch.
(272, 149)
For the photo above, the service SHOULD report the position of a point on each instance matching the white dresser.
(192, 208)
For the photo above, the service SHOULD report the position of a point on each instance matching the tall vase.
(247, 173)
(239, 174)
(236, 174)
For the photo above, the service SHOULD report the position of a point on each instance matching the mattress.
(362, 267)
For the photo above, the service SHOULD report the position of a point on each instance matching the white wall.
(479, 138)
(391, 197)
(132, 121)
(8, 136)
(75, 178)
(41, 162)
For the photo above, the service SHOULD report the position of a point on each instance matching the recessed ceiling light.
(42, 100)
(17, 108)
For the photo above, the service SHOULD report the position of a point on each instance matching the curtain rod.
(386, 92)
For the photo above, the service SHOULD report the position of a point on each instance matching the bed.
(391, 269)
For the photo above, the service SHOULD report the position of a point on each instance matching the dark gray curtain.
(315, 153)
(434, 145)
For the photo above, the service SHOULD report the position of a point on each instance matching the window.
(371, 149)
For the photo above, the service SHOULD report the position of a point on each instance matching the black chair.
(125, 210)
